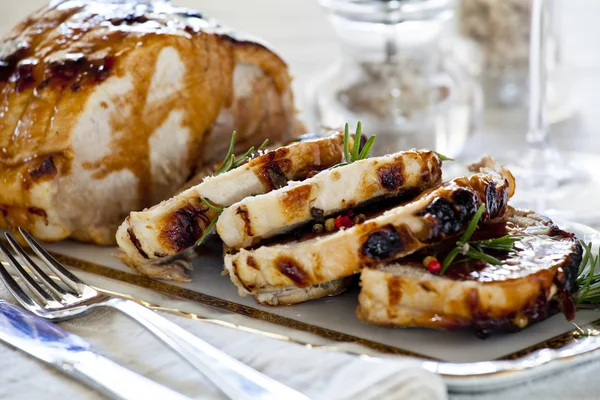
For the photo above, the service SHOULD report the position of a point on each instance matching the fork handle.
(233, 378)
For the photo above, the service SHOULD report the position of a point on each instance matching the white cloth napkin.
(320, 374)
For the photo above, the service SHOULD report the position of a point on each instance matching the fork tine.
(37, 271)
(14, 288)
(27, 279)
(68, 278)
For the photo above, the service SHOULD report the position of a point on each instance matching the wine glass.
(558, 184)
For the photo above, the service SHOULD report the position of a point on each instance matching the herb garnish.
(476, 250)
(355, 155)
(229, 162)
(588, 280)
(443, 157)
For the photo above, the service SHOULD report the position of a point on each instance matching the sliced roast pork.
(176, 224)
(300, 262)
(255, 219)
(531, 284)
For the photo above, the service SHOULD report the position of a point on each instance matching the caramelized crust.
(131, 97)
(435, 214)
(530, 285)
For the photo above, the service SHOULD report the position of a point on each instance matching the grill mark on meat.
(183, 229)
(234, 271)
(290, 268)
(136, 242)
(391, 176)
(252, 263)
(394, 290)
(242, 211)
(394, 294)
(382, 244)
(426, 287)
(37, 211)
(46, 169)
(295, 201)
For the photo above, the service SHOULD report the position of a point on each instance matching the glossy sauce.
(50, 64)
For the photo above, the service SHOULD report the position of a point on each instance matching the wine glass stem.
(537, 135)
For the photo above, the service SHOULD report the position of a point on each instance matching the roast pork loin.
(109, 107)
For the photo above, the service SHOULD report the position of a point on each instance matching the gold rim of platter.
(590, 329)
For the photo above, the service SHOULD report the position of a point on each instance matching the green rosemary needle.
(212, 206)
(207, 230)
(588, 279)
(230, 162)
(356, 154)
(212, 223)
(477, 250)
(443, 157)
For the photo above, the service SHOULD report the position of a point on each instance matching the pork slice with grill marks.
(255, 219)
(271, 269)
(531, 284)
(176, 224)
(109, 106)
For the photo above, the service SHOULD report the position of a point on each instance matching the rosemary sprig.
(263, 146)
(443, 157)
(476, 250)
(588, 280)
(212, 223)
(230, 162)
(207, 230)
(356, 154)
(212, 206)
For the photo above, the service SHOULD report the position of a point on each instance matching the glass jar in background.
(397, 75)
(501, 31)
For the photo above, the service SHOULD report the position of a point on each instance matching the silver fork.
(233, 378)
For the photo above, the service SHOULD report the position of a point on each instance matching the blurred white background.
(301, 33)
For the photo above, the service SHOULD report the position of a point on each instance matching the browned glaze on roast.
(46, 169)
(55, 59)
